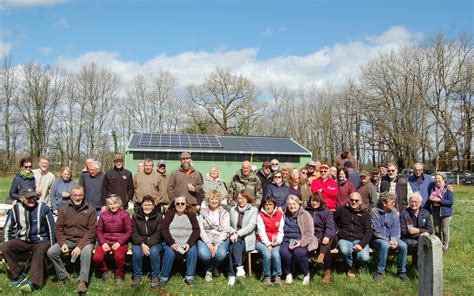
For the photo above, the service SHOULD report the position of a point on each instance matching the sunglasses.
(322, 172)
(354, 200)
(277, 177)
(27, 166)
(303, 173)
(390, 170)
(180, 203)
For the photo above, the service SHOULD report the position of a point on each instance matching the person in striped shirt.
(29, 227)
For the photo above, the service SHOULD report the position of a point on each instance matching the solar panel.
(177, 140)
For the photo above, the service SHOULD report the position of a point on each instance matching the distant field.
(458, 270)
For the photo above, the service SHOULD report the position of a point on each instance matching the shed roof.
(215, 144)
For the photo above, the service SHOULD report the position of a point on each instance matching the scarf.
(241, 215)
(341, 182)
(294, 183)
(25, 175)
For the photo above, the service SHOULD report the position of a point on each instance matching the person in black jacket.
(146, 240)
(355, 232)
(23, 180)
(118, 180)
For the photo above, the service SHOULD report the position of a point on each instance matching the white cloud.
(62, 23)
(5, 49)
(332, 64)
(29, 3)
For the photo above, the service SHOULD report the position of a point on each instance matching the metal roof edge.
(302, 147)
(215, 151)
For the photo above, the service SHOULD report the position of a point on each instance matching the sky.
(290, 43)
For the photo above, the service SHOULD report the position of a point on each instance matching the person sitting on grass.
(270, 223)
(386, 225)
(298, 239)
(243, 219)
(29, 227)
(414, 223)
(354, 232)
(214, 222)
(75, 232)
(146, 240)
(113, 232)
(180, 231)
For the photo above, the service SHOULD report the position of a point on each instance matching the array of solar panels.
(175, 140)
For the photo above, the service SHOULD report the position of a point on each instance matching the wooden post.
(430, 266)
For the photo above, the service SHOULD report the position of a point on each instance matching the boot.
(327, 276)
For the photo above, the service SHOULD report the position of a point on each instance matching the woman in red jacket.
(114, 230)
(346, 187)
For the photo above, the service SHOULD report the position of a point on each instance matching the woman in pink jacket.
(114, 230)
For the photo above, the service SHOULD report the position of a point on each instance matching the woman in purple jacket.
(325, 232)
(114, 229)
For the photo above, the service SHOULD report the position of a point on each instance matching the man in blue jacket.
(386, 227)
(29, 228)
(419, 182)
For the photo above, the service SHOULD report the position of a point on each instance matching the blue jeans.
(383, 247)
(269, 258)
(205, 254)
(236, 249)
(155, 260)
(345, 247)
(168, 259)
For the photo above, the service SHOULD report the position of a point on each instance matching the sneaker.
(306, 280)
(189, 282)
(289, 279)
(154, 282)
(18, 281)
(277, 280)
(81, 287)
(267, 281)
(403, 276)
(163, 284)
(119, 281)
(378, 277)
(240, 271)
(208, 276)
(107, 276)
(136, 281)
(27, 287)
(231, 281)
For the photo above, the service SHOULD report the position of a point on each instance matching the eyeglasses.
(354, 200)
(277, 177)
(180, 203)
(27, 166)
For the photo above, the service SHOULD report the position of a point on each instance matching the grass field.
(458, 270)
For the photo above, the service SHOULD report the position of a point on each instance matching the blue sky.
(182, 36)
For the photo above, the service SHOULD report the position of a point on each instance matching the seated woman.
(243, 219)
(23, 180)
(270, 223)
(146, 240)
(60, 193)
(180, 231)
(325, 232)
(298, 239)
(113, 232)
(214, 222)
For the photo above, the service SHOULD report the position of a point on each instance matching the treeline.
(410, 104)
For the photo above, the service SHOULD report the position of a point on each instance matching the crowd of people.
(293, 217)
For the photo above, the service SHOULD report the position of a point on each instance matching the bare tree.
(8, 85)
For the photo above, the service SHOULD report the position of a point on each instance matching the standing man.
(44, 181)
(150, 183)
(244, 179)
(75, 233)
(376, 180)
(368, 191)
(354, 176)
(345, 155)
(327, 187)
(275, 165)
(387, 234)
(93, 183)
(118, 180)
(420, 182)
(355, 232)
(397, 185)
(265, 175)
(162, 171)
(383, 170)
(186, 181)
(29, 228)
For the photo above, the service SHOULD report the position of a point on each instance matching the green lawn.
(458, 270)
